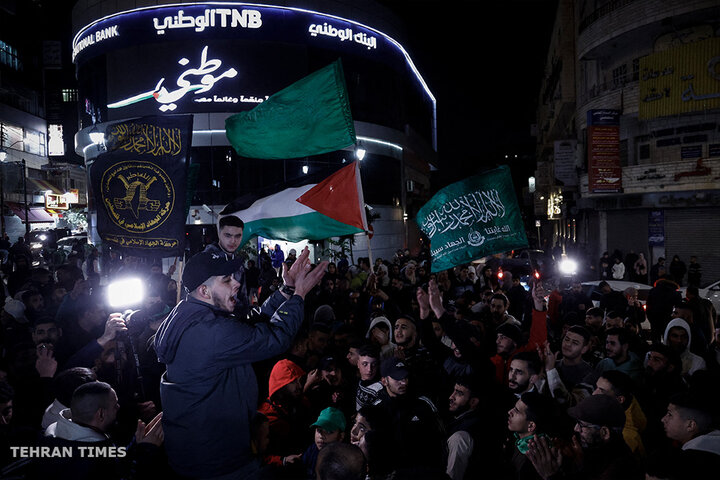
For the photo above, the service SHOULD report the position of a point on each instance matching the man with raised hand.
(209, 391)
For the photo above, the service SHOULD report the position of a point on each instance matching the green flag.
(473, 218)
(310, 117)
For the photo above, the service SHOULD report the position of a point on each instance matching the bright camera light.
(568, 267)
(125, 293)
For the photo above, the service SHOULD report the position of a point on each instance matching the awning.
(35, 214)
(38, 185)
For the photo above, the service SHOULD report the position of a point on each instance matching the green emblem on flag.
(310, 117)
(473, 218)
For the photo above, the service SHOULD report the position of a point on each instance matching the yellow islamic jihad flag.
(138, 185)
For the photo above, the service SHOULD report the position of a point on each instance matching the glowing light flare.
(125, 293)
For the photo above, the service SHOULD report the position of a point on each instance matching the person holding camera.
(209, 390)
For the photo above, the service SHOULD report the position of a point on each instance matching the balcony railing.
(599, 89)
(601, 12)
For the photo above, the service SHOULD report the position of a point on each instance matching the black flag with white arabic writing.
(139, 185)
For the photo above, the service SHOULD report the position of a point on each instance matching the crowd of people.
(371, 369)
(634, 267)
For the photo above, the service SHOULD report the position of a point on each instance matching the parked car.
(70, 243)
(521, 263)
(710, 291)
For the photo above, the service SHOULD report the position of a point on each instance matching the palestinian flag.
(331, 208)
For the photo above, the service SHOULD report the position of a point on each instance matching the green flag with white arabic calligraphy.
(473, 218)
(310, 117)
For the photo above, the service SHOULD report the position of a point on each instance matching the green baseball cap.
(331, 420)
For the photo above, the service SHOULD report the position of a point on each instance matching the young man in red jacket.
(509, 336)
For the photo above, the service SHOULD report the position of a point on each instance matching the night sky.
(484, 62)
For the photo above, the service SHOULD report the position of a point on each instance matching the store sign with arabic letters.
(208, 57)
(681, 79)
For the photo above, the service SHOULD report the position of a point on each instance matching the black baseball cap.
(208, 264)
(392, 367)
(327, 363)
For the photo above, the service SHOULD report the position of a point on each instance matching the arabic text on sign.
(211, 18)
(204, 81)
(343, 34)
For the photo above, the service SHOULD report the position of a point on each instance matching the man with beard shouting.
(209, 391)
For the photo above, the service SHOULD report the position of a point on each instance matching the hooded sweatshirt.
(209, 391)
(385, 350)
(710, 442)
(691, 363)
(283, 373)
(66, 429)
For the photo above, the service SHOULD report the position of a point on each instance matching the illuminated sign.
(204, 21)
(56, 141)
(73, 196)
(95, 36)
(56, 202)
(603, 147)
(342, 34)
(238, 21)
(124, 60)
(203, 81)
(210, 18)
(554, 206)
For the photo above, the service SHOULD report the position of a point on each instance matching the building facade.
(629, 130)
(213, 60)
(37, 117)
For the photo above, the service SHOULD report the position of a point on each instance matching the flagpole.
(370, 256)
(179, 280)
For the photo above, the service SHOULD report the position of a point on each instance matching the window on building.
(619, 75)
(69, 95)
(12, 137)
(9, 56)
(644, 152)
(635, 69)
(624, 153)
(33, 143)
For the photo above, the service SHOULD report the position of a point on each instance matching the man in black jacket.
(414, 420)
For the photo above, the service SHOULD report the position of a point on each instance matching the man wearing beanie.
(209, 390)
(509, 337)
